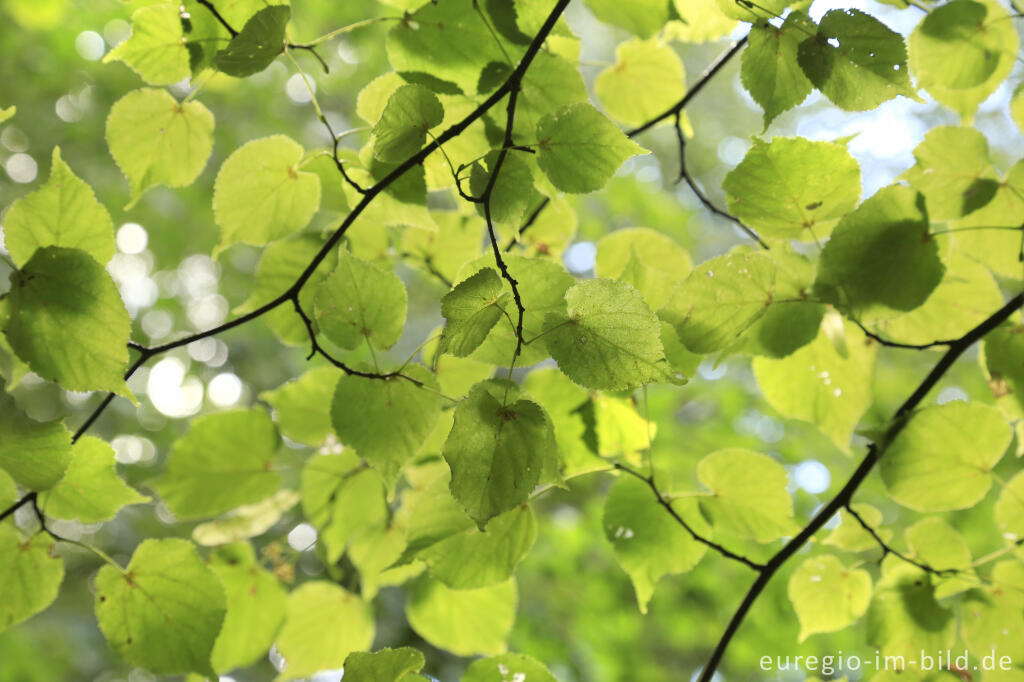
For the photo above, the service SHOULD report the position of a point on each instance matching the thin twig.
(844, 496)
(667, 504)
(530, 220)
(28, 497)
(888, 549)
(896, 344)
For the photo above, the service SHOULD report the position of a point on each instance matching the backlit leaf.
(90, 490)
(828, 596)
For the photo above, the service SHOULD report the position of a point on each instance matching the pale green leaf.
(943, 457)
(164, 611)
(827, 596)
(342, 498)
(411, 111)
(156, 49)
(953, 165)
(365, 413)
(649, 544)
(471, 310)
(360, 302)
(35, 454)
(157, 140)
(856, 61)
(939, 546)
(962, 51)
(30, 575)
(63, 296)
(429, 513)
(323, 625)
(255, 607)
(645, 81)
(881, 260)
(223, 462)
(257, 44)
(302, 407)
(373, 552)
(817, 384)
(793, 188)
(260, 194)
(769, 69)
(649, 260)
(90, 491)
(701, 21)
(8, 490)
(464, 622)
(565, 403)
(991, 234)
(512, 191)
(507, 667)
(642, 17)
(8, 113)
(496, 452)
(386, 665)
(751, 12)
(473, 558)
(1017, 108)
(991, 625)
(245, 522)
(1009, 510)
(749, 497)
(551, 83)
(456, 242)
(608, 337)
(904, 619)
(580, 149)
(63, 212)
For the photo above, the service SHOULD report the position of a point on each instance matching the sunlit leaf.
(464, 622)
(828, 596)
(90, 490)
(30, 575)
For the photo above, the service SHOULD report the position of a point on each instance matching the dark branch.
(896, 344)
(217, 15)
(843, 497)
(29, 497)
(667, 504)
(887, 549)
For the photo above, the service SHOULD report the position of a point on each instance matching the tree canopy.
(508, 340)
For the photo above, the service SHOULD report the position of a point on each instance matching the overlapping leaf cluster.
(423, 472)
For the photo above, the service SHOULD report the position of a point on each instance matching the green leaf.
(962, 51)
(904, 619)
(90, 491)
(156, 49)
(246, 521)
(8, 490)
(323, 625)
(749, 497)
(793, 188)
(649, 544)
(475, 558)
(646, 80)
(280, 265)
(456, 242)
(63, 212)
(936, 544)
(649, 260)
(464, 622)
(411, 111)
(580, 149)
(163, 612)
(507, 667)
(769, 69)
(386, 665)
(701, 22)
(817, 384)
(608, 337)
(365, 413)
(751, 11)
(943, 457)
(449, 40)
(991, 623)
(260, 194)
(512, 190)
(358, 302)
(255, 607)
(429, 513)
(8, 113)
(951, 161)
(721, 299)
(302, 407)
(35, 454)
(1009, 509)
(881, 260)
(342, 498)
(551, 83)
(856, 61)
(223, 462)
(642, 17)
(471, 310)
(851, 536)
(66, 298)
(994, 235)
(827, 596)
(496, 452)
(30, 575)
(157, 140)
(257, 45)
